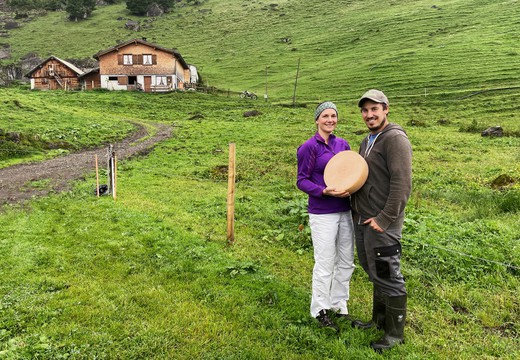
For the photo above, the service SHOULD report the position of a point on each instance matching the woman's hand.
(333, 192)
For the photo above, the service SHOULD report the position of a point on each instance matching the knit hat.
(374, 95)
(324, 106)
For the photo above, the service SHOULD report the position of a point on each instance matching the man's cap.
(374, 95)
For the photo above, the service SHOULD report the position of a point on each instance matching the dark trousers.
(380, 256)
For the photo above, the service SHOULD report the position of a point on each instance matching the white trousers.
(333, 242)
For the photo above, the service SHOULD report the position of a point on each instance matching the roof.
(90, 72)
(174, 52)
(74, 68)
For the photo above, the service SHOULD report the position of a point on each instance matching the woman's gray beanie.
(324, 106)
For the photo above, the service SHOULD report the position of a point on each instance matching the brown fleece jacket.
(389, 183)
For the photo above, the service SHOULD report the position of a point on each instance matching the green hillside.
(409, 47)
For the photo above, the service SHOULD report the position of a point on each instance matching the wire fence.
(459, 253)
(508, 265)
(257, 189)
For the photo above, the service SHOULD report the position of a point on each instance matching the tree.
(36, 4)
(79, 9)
(22, 4)
(53, 5)
(140, 7)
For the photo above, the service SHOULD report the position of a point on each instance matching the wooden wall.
(54, 75)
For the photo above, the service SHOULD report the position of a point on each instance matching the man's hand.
(372, 223)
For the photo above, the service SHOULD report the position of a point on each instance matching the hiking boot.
(325, 321)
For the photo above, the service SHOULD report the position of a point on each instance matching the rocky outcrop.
(16, 71)
(154, 10)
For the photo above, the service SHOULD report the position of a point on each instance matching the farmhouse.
(139, 65)
(55, 73)
(131, 65)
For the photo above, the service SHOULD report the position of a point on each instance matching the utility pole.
(295, 83)
(265, 95)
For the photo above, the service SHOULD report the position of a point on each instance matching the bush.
(510, 202)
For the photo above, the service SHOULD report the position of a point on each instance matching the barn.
(55, 73)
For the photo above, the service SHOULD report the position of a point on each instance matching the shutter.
(119, 59)
(135, 59)
(139, 60)
(154, 59)
(122, 80)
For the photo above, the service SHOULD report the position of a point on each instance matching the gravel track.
(57, 173)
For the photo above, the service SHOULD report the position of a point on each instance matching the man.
(378, 217)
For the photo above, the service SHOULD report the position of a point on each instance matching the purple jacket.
(313, 156)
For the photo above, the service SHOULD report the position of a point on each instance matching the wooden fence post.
(97, 176)
(231, 195)
(109, 168)
(115, 178)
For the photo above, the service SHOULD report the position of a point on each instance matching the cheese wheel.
(346, 171)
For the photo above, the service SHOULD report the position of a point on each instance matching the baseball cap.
(374, 95)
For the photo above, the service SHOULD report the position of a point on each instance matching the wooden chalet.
(139, 65)
(55, 73)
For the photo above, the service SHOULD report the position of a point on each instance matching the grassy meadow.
(150, 276)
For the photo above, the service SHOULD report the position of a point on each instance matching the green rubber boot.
(394, 324)
(378, 312)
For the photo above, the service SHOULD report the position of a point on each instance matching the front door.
(147, 83)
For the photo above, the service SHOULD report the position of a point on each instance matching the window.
(147, 59)
(127, 59)
(161, 80)
(112, 78)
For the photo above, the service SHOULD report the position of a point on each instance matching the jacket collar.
(319, 138)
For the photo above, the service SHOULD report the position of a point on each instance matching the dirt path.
(15, 181)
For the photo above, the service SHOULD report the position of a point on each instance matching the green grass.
(34, 126)
(151, 275)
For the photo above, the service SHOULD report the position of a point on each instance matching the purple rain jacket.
(313, 156)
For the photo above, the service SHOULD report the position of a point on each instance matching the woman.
(329, 218)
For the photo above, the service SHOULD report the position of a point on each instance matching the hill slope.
(409, 47)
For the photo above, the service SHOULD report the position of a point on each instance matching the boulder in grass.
(503, 181)
(252, 113)
(133, 25)
(5, 54)
(197, 116)
(493, 131)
